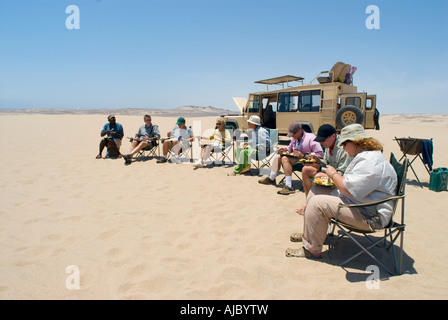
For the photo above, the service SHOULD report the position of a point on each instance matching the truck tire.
(348, 115)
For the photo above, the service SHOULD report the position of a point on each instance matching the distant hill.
(188, 111)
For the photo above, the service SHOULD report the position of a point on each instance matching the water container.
(438, 180)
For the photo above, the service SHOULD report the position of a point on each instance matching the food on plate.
(324, 181)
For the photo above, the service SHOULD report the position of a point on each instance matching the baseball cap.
(324, 132)
(180, 120)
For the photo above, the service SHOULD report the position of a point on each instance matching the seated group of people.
(352, 161)
(148, 136)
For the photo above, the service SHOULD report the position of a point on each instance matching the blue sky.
(170, 53)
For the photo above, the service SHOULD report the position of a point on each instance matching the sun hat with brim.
(180, 120)
(294, 128)
(255, 120)
(351, 133)
(324, 132)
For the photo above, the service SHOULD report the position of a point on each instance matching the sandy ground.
(166, 231)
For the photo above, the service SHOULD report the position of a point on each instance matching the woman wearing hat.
(369, 177)
(257, 146)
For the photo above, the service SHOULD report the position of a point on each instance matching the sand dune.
(166, 231)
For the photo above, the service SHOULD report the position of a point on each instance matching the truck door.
(370, 112)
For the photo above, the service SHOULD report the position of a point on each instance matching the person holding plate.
(334, 156)
(369, 177)
(302, 146)
(146, 138)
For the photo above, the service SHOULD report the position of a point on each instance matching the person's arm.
(156, 132)
(338, 180)
(119, 133)
(343, 161)
(316, 149)
(104, 131)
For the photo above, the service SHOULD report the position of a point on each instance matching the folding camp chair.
(222, 154)
(185, 151)
(391, 232)
(295, 169)
(262, 161)
(150, 150)
(419, 148)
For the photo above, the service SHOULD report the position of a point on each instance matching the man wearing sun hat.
(258, 145)
(179, 137)
(114, 134)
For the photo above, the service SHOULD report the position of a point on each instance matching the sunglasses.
(219, 124)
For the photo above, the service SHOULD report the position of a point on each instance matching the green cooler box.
(438, 180)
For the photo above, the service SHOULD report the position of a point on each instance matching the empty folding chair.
(418, 149)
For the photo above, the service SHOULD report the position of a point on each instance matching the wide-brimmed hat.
(294, 128)
(180, 120)
(255, 120)
(324, 132)
(351, 133)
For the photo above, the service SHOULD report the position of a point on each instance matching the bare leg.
(138, 147)
(103, 144)
(307, 173)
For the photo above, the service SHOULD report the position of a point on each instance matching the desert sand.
(166, 231)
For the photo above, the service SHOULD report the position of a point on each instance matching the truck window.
(353, 101)
(369, 104)
(288, 101)
(309, 101)
(254, 104)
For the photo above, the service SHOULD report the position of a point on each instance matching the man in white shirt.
(178, 138)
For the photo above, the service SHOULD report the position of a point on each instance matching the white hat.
(352, 132)
(255, 120)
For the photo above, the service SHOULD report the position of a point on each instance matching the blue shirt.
(118, 128)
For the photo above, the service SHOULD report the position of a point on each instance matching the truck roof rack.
(280, 80)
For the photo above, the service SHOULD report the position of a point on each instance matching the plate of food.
(323, 181)
(305, 160)
(288, 154)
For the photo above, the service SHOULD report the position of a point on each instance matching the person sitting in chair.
(368, 177)
(179, 137)
(302, 146)
(219, 139)
(258, 146)
(334, 156)
(114, 134)
(145, 138)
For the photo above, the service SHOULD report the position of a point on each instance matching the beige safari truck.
(330, 98)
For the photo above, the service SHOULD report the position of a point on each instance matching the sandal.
(300, 253)
(295, 237)
(245, 169)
